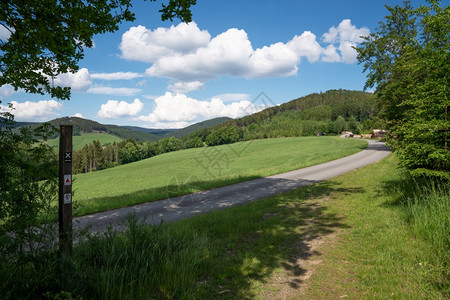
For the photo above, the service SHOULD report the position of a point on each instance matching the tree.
(408, 60)
(48, 37)
(340, 124)
(28, 188)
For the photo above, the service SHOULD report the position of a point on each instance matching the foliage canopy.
(408, 61)
(48, 37)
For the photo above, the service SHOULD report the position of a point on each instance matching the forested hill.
(319, 107)
(197, 126)
(88, 126)
(330, 112)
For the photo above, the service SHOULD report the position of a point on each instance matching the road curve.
(187, 206)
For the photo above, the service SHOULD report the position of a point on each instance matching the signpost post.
(65, 189)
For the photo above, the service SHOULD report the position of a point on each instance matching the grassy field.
(79, 141)
(192, 170)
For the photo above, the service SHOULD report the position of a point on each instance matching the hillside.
(79, 141)
(319, 107)
(81, 125)
(198, 126)
(155, 131)
(330, 112)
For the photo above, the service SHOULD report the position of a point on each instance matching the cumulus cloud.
(6, 91)
(347, 36)
(106, 90)
(142, 44)
(169, 125)
(306, 45)
(78, 115)
(185, 87)
(171, 108)
(330, 54)
(186, 54)
(229, 53)
(115, 109)
(116, 76)
(78, 81)
(34, 111)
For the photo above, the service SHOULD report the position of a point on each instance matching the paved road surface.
(182, 207)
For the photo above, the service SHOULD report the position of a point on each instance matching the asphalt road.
(187, 206)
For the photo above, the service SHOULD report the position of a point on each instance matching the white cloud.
(169, 125)
(306, 45)
(226, 54)
(330, 54)
(186, 54)
(347, 36)
(185, 87)
(34, 111)
(78, 81)
(180, 108)
(105, 90)
(141, 82)
(142, 44)
(6, 90)
(345, 31)
(78, 115)
(116, 76)
(115, 109)
(348, 52)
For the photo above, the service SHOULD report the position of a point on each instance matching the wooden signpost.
(65, 189)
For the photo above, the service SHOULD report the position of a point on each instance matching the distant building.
(347, 134)
(378, 133)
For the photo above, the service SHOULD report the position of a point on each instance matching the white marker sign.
(67, 198)
(67, 179)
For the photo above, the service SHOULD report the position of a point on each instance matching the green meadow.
(192, 170)
(79, 141)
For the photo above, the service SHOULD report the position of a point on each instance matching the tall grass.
(427, 207)
(144, 262)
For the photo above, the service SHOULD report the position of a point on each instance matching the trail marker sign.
(65, 189)
(67, 179)
(67, 157)
(67, 198)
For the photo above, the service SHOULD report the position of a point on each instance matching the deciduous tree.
(48, 37)
(408, 60)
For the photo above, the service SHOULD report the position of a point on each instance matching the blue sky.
(169, 75)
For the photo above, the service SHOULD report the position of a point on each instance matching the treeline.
(95, 157)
